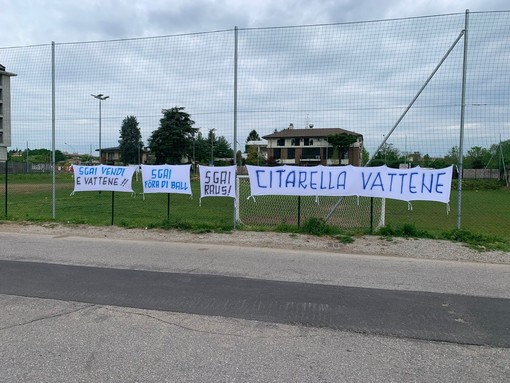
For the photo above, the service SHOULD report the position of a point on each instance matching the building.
(111, 156)
(259, 146)
(5, 112)
(308, 147)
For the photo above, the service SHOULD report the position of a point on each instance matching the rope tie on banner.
(357, 199)
(409, 206)
(448, 208)
(251, 196)
(317, 200)
(143, 196)
(72, 193)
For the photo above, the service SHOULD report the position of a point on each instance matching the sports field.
(29, 197)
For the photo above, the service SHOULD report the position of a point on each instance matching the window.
(291, 153)
(280, 142)
(294, 142)
(277, 154)
(306, 142)
(1, 137)
(311, 154)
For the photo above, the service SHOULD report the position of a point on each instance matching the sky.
(290, 75)
(31, 22)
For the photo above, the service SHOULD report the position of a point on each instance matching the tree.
(388, 155)
(171, 141)
(253, 136)
(202, 148)
(341, 142)
(500, 154)
(476, 158)
(239, 158)
(365, 156)
(222, 148)
(452, 157)
(39, 156)
(253, 157)
(426, 161)
(130, 143)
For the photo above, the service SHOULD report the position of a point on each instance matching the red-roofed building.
(310, 146)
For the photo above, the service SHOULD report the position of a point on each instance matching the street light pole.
(100, 97)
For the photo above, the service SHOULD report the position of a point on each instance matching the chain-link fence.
(273, 210)
(398, 83)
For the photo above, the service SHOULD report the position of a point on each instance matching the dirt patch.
(369, 245)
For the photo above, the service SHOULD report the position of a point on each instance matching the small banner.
(413, 184)
(103, 178)
(166, 179)
(217, 181)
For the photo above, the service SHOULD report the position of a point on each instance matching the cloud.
(358, 76)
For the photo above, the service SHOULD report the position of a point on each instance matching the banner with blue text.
(103, 178)
(415, 184)
(217, 181)
(166, 179)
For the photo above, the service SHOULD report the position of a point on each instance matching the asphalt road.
(77, 309)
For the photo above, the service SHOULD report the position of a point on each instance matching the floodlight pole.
(100, 97)
(462, 112)
(212, 146)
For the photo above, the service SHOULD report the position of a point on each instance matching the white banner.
(166, 179)
(217, 181)
(103, 177)
(403, 184)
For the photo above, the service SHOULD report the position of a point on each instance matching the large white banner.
(217, 181)
(166, 179)
(403, 184)
(103, 177)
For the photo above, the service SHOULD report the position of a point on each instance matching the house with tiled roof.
(310, 146)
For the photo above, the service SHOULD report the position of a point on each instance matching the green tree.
(253, 136)
(222, 148)
(239, 158)
(476, 158)
(130, 143)
(426, 161)
(388, 155)
(253, 157)
(39, 156)
(500, 154)
(452, 157)
(341, 143)
(365, 156)
(171, 141)
(202, 148)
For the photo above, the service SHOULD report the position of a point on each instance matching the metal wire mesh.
(356, 76)
(272, 210)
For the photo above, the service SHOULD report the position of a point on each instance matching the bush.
(407, 230)
(317, 226)
(478, 184)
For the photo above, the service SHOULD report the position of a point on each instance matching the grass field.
(484, 212)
